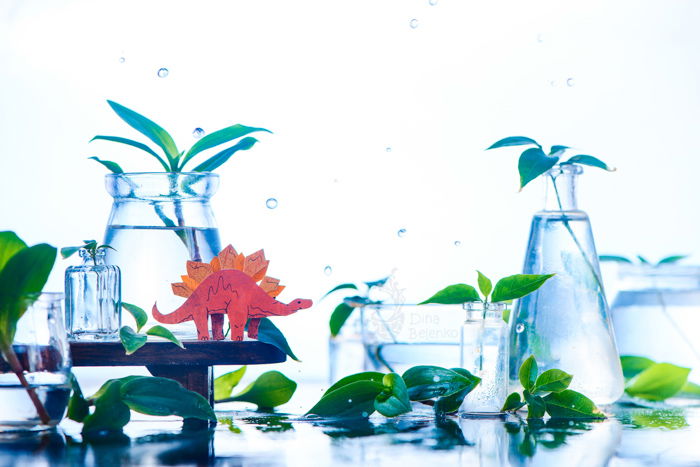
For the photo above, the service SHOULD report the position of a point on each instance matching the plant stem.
(16, 366)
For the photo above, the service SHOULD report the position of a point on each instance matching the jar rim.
(121, 174)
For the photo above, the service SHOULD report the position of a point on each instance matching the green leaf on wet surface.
(352, 400)
(450, 404)
(427, 382)
(658, 382)
(375, 376)
(571, 404)
(269, 390)
(393, 400)
(162, 396)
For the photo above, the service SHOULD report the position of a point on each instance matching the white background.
(340, 82)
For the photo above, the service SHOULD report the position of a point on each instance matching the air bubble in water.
(197, 132)
(271, 203)
(401, 232)
(163, 72)
(519, 328)
(570, 82)
(328, 270)
(413, 23)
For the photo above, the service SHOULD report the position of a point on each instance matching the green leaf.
(78, 407)
(571, 404)
(149, 129)
(68, 251)
(136, 144)
(10, 244)
(513, 141)
(393, 400)
(151, 395)
(658, 382)
(452, 403)
(352, 400)
(269, 390)
(341, 314)
(633, 365)
(534, 162)
(671, 259)
(100, 392)
(340, 287)
(590, 161)
(270, 334)
(552, 381)
(535, 405)
(131, 340)
(375, 376)
(224, 384)
(138, 313)
(528, 373)
(111, 166)
(160, 331)
(218, 137)
(517, 286)
(111, 413)
(221, 157)
(619, 259)
(454, 294)
(512, 403)
(427, 382)
(557, 150)
(485, 285)
(642, 259)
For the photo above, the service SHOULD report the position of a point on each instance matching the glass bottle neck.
(99, 259)
(479, 311)
(560, 194)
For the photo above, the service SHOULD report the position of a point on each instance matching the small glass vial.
(93, 298)
(484, 353)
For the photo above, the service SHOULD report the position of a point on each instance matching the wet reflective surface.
(631, 436)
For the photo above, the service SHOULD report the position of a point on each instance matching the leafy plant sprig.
(90, 246)
(268, 391)
(652, 381)
(342, 312)
(175, 160)
(642, 260)
(24, 271)
(361, 394)
(134, 340)
(547, 392)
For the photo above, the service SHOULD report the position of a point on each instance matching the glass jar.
(93, 298)
(484, 353)
(565, 323)
(158, 222)
(35, 376)
(661, 301)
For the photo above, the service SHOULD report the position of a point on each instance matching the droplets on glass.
(436, 379)
(413, 23)
(271, 203)
(328, 270)
(198, 133)
(519, 328)
(163, 72)
(401, 233)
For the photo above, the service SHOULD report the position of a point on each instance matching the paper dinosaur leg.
(237, 318)
(217, 327)
(201, 322)
(253, 326)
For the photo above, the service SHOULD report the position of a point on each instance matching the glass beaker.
(661, 301)
(158, 222)
(93, 298)
(484, 353)
(35, 379)
(565, 323)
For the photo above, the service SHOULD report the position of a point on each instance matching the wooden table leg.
(197, 378)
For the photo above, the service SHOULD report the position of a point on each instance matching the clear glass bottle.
(93, 298)
(565, 324)
(34, 378)
(484, 353)
(158, 222)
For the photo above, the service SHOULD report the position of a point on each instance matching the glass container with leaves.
(565, 324)
(159, 220)
(93, 294)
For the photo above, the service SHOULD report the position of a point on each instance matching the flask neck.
(561, 184)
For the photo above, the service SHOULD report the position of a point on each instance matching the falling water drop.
(328, 270)
(365, 414)
(349, 401)
(401, 232)
(519, 328)
(271, 203)
(458, 243)
(570, 82)
(163, 72)
(413, 23)
(433, 2)
(122, 59)
(198, 132)
(388, 149)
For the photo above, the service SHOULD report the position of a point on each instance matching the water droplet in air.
(458, 243)
(540, 38)
(198, 133)
(436, 378)
(163, 72)
(349, 401)
(570, 82)
(388, 149)
(122, 59)
(271, 203)
(413, 23)
(401, 232)
(432, 2)
(519, 328)
(365, 414)
(328, 270)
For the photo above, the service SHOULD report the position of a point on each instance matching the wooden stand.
(191, 367)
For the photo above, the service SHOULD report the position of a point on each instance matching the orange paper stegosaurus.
(234, 285)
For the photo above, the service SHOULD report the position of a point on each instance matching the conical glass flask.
(565, 324)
